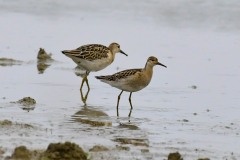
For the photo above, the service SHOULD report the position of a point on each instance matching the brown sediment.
(94, 123)
(133, 141)
(7, 123)
(145, 150)
(91, 117)
(98, 148)
(123, 148)
(128, 126)
(9, 62)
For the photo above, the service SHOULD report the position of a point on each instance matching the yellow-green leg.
(84, 99)
(87, 84)
(119, 96)
(130, 101)
(85, 79)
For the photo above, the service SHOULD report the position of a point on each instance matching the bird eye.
(118, 46)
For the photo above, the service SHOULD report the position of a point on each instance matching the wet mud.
(189, 111)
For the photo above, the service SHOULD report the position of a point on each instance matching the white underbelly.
(94, 66)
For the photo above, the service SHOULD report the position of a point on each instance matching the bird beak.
(123, 53)
(161, 64)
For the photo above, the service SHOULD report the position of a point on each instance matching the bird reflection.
(83, 73)
(28, 108)
(42, 65)
(90, 115)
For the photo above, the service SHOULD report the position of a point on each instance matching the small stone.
(175, 156)
(194, 87)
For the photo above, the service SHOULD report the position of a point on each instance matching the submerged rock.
(175, 156)
(64, 151)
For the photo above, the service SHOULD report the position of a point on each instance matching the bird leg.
(84, 99)
(119, 96)
(83, 80)
(87, 84)
(130, 101)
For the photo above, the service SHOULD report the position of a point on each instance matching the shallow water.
(198, 41)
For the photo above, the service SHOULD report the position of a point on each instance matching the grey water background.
(198, 40)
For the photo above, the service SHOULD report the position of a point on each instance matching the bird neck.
(148, 69)
(112, 56)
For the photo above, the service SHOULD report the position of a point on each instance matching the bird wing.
(89, 52)
(92, 52)
(120, 75)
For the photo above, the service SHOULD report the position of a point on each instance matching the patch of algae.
(6, 123)
(55, 151)
(64, 151)
(21, 152)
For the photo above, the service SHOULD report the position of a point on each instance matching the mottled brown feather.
(90, 52)
(120, 75)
